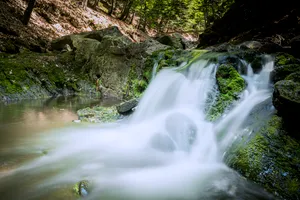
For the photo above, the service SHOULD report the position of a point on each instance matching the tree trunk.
(85, 2)
(126, 10)
(96, 2)
(28, 12)
(112, 7)
(132, 18)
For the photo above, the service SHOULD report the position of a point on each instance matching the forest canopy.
(165, 16)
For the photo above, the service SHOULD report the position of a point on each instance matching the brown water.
(24, 120)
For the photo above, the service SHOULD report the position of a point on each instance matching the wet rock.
(269, 156)
(82, 188)
(280, 72)
(286, 98)
(127, 106)
(294, 77)
(285, 59)
(230, 84)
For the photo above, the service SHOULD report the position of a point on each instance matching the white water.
(166, 150)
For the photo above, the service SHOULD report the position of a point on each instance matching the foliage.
(168, 15)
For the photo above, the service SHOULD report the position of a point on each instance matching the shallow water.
(165, 150)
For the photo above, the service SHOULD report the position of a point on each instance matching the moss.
(294, 77)
(193, 57)
(98, 114)
(40, 74)
(230, 85)
(271, 158)
(284, 59)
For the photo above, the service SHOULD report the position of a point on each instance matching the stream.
(166, 150)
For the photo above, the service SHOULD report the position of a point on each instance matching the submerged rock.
(127, 106)
(162, 142)
(182, 130)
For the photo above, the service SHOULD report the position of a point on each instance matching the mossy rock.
(285, 59)
(230, 85)
(282, 71)
(37, 75)
(270, 157)
(98, 114)
(294, 77)
(286, 99)
(82, 188)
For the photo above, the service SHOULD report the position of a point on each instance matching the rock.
(282, 71)
(294, 77)
(269, 157)
(295, 45)
(286, 98)
(225, 47)
(254, 45)
(119, 62)
(98, 114)
(60, 43)
(82, 188)
(174, 40)
(285, 59)
(127, 106)
(270, 47)
(230, 84)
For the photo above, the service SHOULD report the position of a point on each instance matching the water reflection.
(25, 119)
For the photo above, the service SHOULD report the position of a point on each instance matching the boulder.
(295, 45)
(174, 40)
(268, 156)
(230, 84)
(286, 97)
(98, 114)
(60, 43)
(82, 188)
(282, 71)
(285, 59)
(127, 106)
(118, 61)
(255, 45)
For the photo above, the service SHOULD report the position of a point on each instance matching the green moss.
(30, 73)
(230, 85)
(271, 158)
(294, 77)
(98, 114)
(284, 59)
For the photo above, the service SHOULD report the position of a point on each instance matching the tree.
(28, 12)
(84, 4)
(112, 7)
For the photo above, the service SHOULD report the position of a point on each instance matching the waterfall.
(166, 149)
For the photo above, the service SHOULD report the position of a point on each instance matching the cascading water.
(166, 150)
